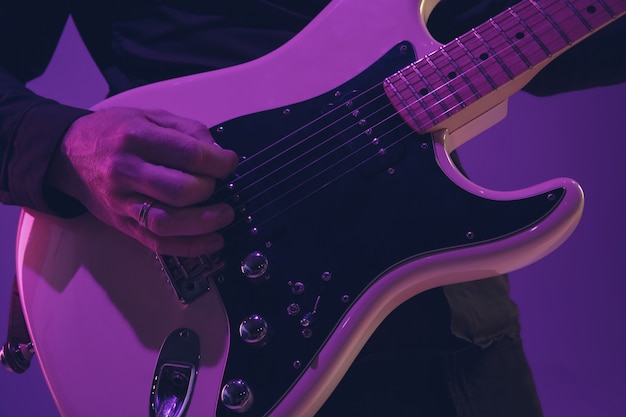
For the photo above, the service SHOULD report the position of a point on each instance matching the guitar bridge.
(190, 277)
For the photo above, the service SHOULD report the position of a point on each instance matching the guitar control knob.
(236, 396)
(254, 330)
(255, 265)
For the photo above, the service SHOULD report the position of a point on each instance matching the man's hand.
(121, 162)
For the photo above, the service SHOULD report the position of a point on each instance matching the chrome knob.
(236, 396)
(255, 265)
(254, 330)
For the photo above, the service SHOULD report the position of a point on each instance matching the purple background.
(571, 302)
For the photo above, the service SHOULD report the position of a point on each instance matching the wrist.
(60, 186)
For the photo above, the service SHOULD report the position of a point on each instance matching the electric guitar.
(347, 203)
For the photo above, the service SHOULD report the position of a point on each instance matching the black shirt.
(136, 42)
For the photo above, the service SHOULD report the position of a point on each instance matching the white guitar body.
(99, 307)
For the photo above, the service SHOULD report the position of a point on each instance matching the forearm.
(31, 128)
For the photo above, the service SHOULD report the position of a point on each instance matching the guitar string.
(446, 84)
(309, 150)
(548, 28)
(249, 159)
(327, 168)
(237, 238)
(443, 86)
(343, 159)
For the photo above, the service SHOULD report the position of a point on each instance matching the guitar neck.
(486, 65)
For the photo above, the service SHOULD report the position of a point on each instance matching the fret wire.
(429, 86)
(579, 15)
(567, 24)
(477, 64)
(459, 72)
(463, 65)
(529, 31)
(597, 16)
(493, 53)
(550, 20)
(607, 8)
(466, 81)
(421, 98)
(481, 52)
(405, 105)
(569, 21)
(416, 95)
(443, 78)
(512, 43)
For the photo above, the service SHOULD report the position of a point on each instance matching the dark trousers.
(438, 375)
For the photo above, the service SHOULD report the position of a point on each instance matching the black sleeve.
(599, 60)
(30, 126)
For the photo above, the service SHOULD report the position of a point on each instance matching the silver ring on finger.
(143, 213)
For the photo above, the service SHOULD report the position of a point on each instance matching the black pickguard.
(336, 197)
